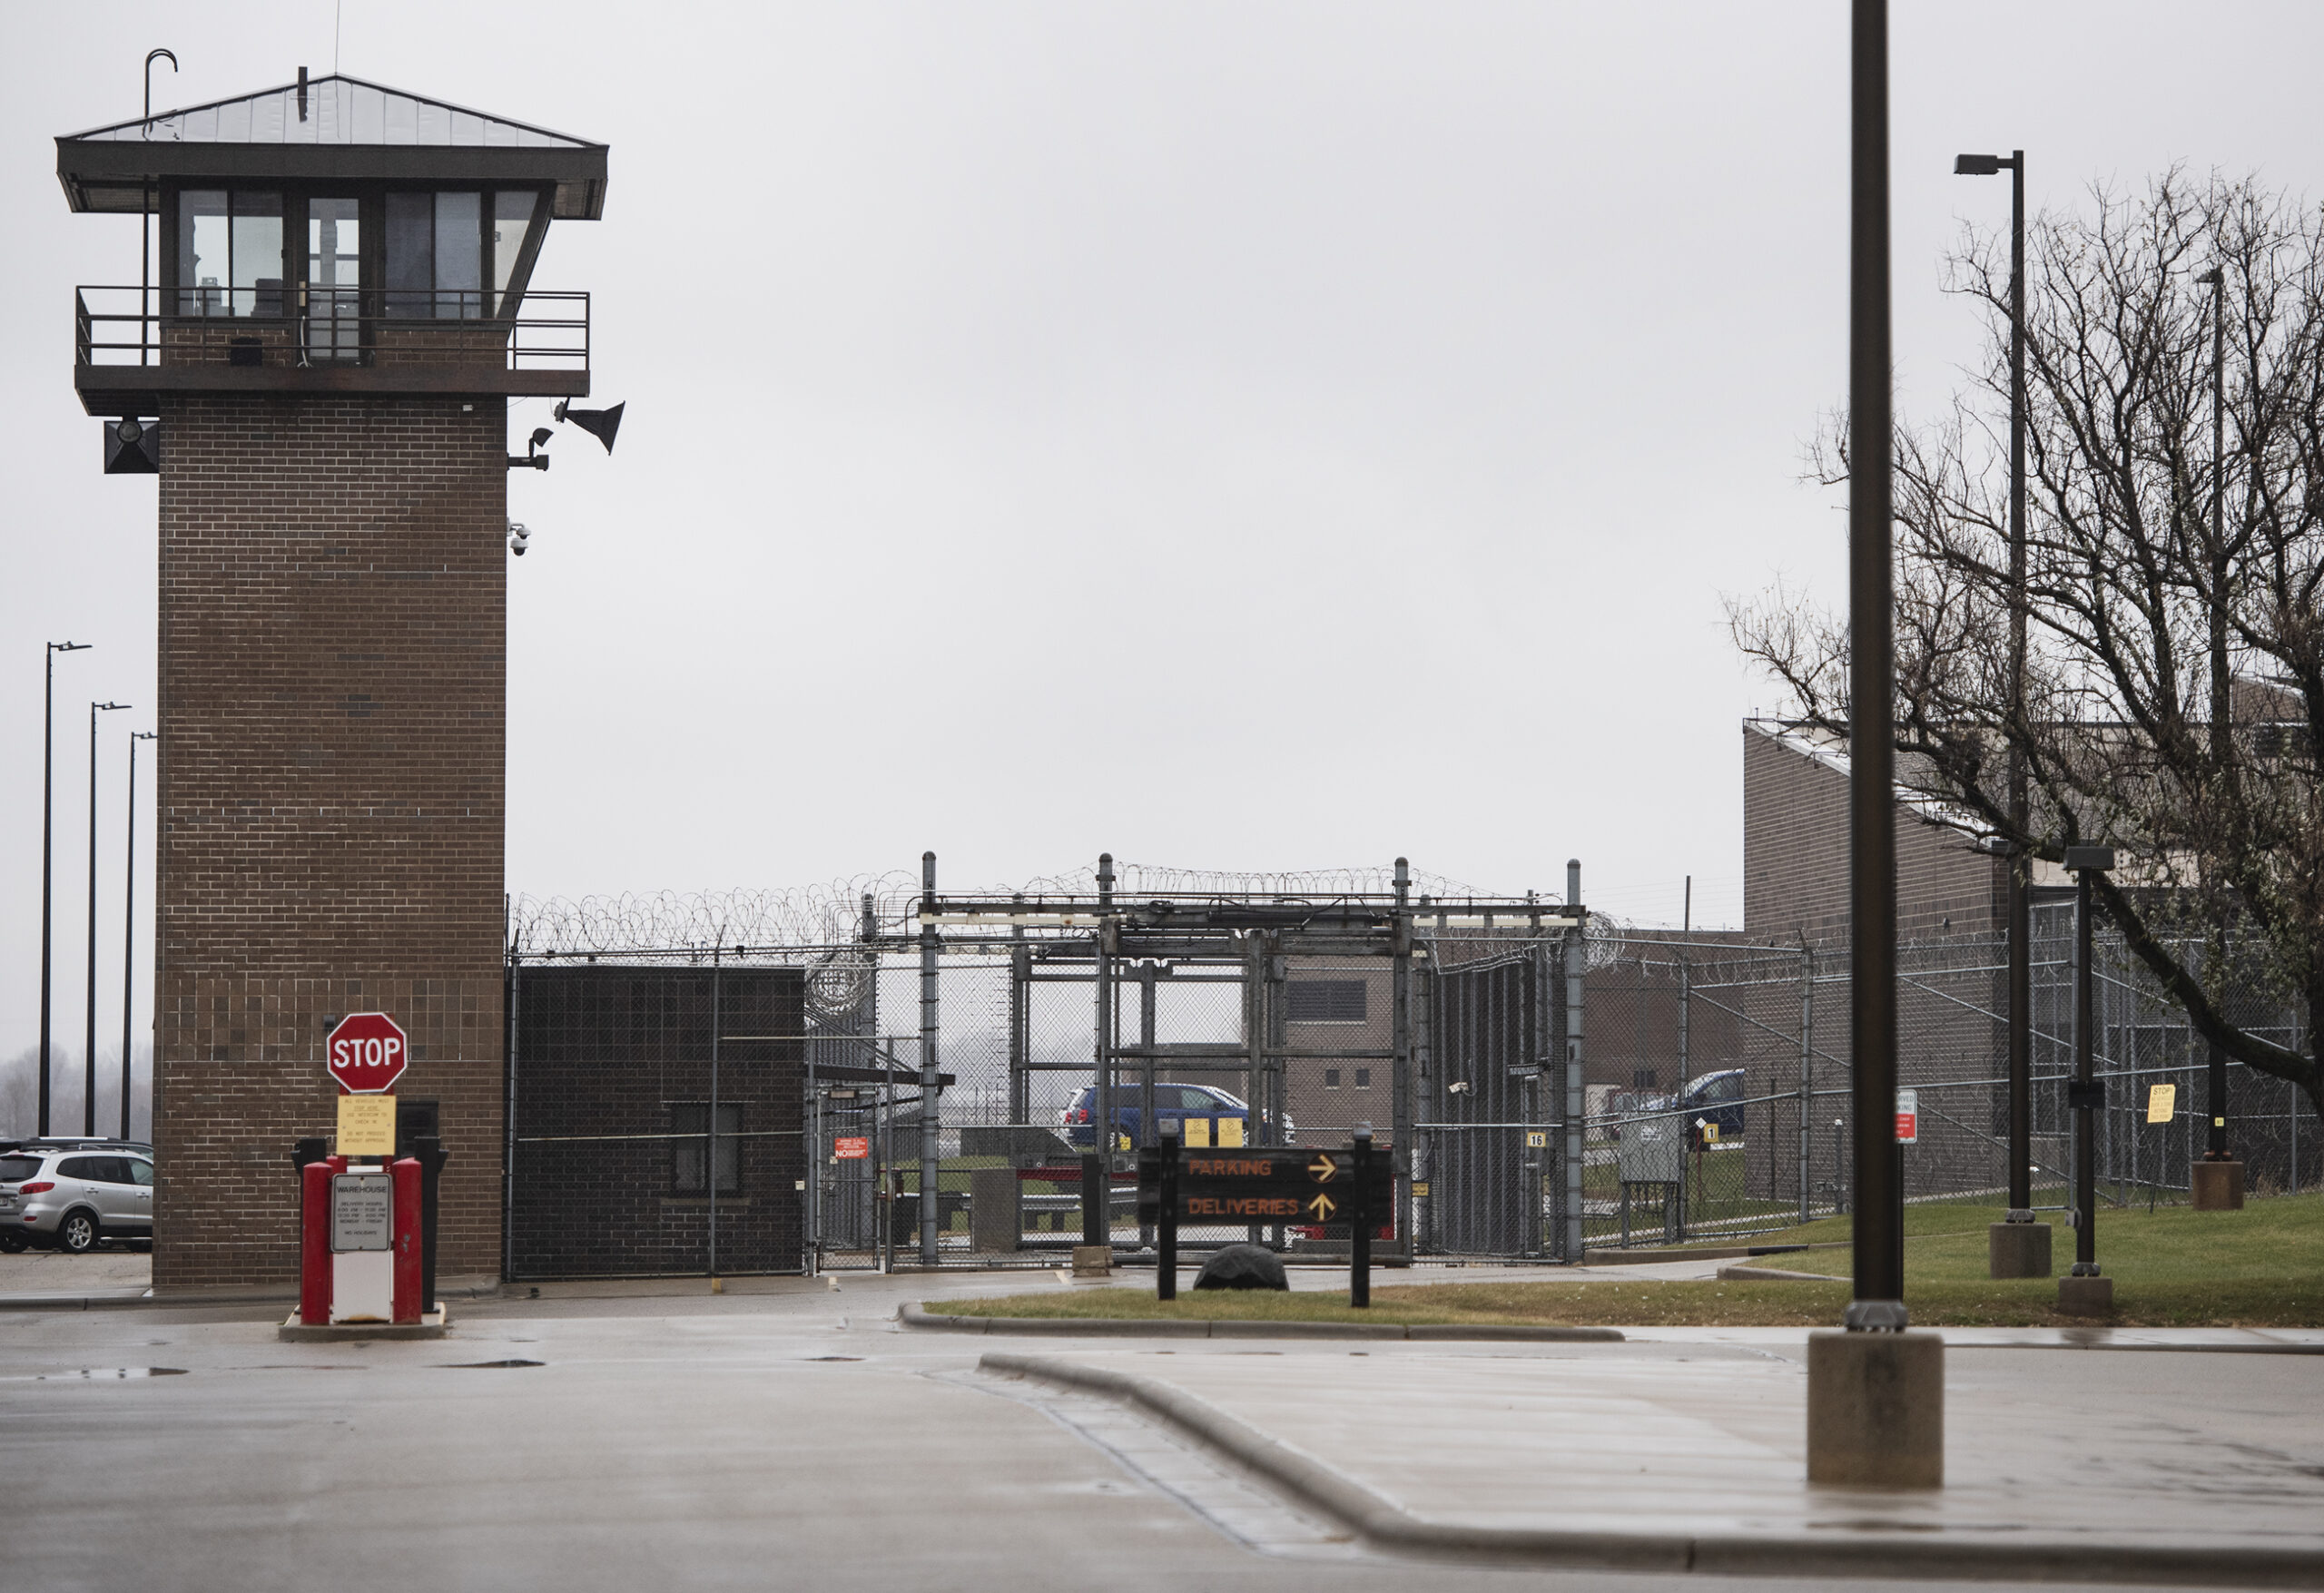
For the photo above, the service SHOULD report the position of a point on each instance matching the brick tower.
(321, 376)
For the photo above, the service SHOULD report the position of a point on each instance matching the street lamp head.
(105, 707)
(70, 646)
(2211, 278)
(2090, 860)
(1978, 165)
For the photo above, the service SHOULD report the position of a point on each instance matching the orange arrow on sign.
(1322, 1208)
(1323, 1168)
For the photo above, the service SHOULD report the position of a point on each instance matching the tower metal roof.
(323, 128)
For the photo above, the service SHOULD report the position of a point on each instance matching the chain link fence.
(1556, 1092)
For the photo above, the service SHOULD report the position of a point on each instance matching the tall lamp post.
(2216, 1183)
(129, 927)
(2017, 1246)
(1876, 1392)
(2085, 1293)
(47, 835)
(89, 1054)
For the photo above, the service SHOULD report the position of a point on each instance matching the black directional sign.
(1351, 1190)
(1277, 1184)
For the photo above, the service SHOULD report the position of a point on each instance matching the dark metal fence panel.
(634, 1089)
(1486, 1182)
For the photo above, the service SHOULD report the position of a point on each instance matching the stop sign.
(366, 1053)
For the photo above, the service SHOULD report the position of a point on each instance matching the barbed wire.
(826, 917)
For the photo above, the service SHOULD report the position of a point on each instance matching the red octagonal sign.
(366, 1054)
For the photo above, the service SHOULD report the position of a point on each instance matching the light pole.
(129, 927)
(47, 830)
(89, 1053)
(2218, 1185)
(2085, 1293)
(2012, 1253)
(1876, 1392)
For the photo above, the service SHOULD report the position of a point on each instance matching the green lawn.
(2261, 1267)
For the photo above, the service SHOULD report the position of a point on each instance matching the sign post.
(1166, 1230)
(1351, 1188)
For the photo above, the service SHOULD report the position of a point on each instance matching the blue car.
(1715, 1097)
(1174, 1105)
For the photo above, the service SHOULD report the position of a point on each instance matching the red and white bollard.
(360, 1243)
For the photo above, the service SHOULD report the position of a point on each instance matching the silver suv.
(71, 1200)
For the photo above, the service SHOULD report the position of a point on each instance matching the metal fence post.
(1100, 1200)
(1577, 965)
(1021, 989)
(508, 1124)
(1806, 1056)
(709, 1144)
(1400, 1075)
(930, 1091)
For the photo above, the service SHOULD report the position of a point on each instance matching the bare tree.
(2172, 702)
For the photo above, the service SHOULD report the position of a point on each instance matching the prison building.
(317, 363)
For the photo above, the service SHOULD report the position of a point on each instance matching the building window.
(230, 253)
(1331, 1078)
(689, 1156)
(434, 255)
(1324, 1000)
(1363, 1078)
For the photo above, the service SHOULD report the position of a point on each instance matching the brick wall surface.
(330, 768)
(1795, 857)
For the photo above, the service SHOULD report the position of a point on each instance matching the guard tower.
(319, 372)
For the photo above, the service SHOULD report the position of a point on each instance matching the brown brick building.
(342, 314)
(1795, 850)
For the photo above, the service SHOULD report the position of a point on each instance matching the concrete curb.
(1881, 1554)
(1769, 1275)
(1130, 1327)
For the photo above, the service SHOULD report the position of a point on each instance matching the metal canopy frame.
(1121, 946)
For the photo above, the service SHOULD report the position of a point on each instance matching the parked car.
(1716, 1099)
(1173, 1104)
(75, 1198)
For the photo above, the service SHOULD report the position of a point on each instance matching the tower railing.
(540, 329)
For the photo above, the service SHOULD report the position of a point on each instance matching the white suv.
(69, 1200)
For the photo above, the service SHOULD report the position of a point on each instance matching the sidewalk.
(1690, 1454)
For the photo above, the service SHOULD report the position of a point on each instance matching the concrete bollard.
(2018, 1250)
(1093, 1261)
(1875, 1410)
(996, 1212)
(2085, 1296)
(2218, 1186)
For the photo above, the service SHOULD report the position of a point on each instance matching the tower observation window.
(434, 255)
(230, 253)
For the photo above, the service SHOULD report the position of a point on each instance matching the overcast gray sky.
(1248, 435)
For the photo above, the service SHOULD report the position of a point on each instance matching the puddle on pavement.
(97, 1374)
(830, 1357)
(486, 1365)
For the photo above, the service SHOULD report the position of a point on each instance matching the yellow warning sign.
(2161, 1103)
(367, 1126)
